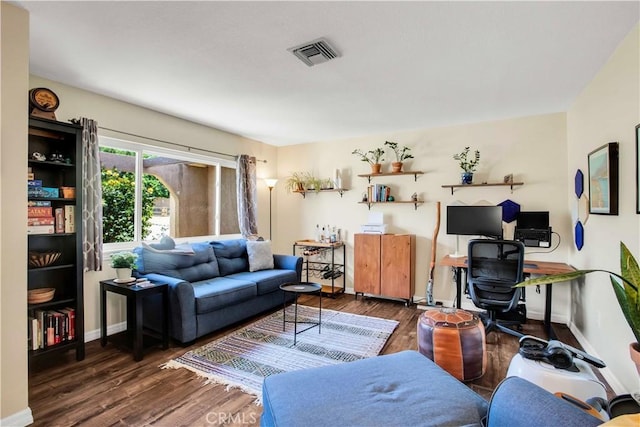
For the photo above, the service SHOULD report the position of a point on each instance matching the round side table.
(297, 289)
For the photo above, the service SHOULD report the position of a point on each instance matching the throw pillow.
(260, 255)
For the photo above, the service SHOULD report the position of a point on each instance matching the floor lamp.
(271, 182)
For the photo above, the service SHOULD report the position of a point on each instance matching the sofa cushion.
(200, 265)
(231, 255)
(260, 255)
(267, 281)
(221, 292)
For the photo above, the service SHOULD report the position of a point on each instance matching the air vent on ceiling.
(314, 52)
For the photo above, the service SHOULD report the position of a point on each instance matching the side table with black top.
(297, 289)
(135, 332)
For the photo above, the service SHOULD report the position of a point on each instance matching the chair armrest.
(288, 262)
(517, 402)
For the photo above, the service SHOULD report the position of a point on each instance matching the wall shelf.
(373, 175)
(490, 184)
(415, 203)
(329, 190)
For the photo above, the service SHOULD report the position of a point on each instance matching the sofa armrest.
(517, 402)
(182, 306)
(288, 262)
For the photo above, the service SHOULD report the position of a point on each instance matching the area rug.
(245, 357)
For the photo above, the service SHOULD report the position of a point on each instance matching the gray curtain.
(247, 200)
(91, 197)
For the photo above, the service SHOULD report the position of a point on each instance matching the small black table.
(135, 294)
(297, 289)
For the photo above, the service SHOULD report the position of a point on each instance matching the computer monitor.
(538, 220)
(475, 221)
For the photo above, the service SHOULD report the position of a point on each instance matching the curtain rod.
(189, 148)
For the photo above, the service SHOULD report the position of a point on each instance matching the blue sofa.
(406, 389)
(210, 285)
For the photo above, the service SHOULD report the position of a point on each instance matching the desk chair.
(493, 267)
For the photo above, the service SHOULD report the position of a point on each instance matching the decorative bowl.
(37, 296)
(43, 259)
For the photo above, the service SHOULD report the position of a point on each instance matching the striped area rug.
(245, 357)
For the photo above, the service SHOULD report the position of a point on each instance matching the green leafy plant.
(124, 260)
(296, 181)
(625, 286)
(466, 164)
(402, 152)
(372, 156)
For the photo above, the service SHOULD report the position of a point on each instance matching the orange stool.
(455, 340)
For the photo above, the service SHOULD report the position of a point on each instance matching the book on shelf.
(51, 327)
(39, 203)
(69, 219)
(39, 211)
(59, 216)
(40, 229)
(34, 182)
(41, 221)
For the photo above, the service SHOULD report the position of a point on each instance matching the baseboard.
(112, 329)
(21, 419)
(612, 380)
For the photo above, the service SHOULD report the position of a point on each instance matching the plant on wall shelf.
(402, 153)
(625, 289)
(468, 165)
(296, 181)
(373, 157)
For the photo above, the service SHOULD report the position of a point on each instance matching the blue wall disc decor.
(579, 235)
(579, 183)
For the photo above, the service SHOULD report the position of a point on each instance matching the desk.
(531, 267)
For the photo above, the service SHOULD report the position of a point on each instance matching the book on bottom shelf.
(51, 327)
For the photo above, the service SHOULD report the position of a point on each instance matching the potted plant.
(296, 182)
(625, 285)
(467, 165)
(402, 153)
(373, 157)
(123, 263)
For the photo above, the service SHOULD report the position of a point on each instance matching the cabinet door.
(366, 274)
(397, 278)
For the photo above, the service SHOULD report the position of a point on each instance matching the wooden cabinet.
(384, 265)
(56, 324)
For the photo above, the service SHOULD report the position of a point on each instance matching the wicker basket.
(37, 296)
(43, 259)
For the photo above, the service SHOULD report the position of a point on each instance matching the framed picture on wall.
(638, 169)
(603, 180)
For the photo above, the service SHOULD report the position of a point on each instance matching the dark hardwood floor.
(109, 388)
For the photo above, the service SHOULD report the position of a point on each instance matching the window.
(150, 192)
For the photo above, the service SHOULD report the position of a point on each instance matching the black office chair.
(493, 267)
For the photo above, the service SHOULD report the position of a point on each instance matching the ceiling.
(403, 65)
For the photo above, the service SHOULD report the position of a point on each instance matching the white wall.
(14, 38)
(607, 110)
(114, 114)
(532, 148)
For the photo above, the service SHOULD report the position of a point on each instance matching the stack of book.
(51, 327)
(40, 219)
(378, 193)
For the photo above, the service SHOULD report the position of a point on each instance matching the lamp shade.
(271, 182)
